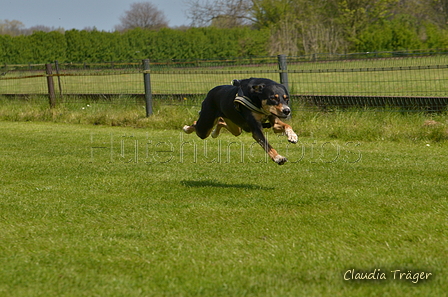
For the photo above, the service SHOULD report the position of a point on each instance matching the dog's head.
(273, 96)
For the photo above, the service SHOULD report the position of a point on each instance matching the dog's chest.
(260, 117)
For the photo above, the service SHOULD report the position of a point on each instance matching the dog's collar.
(247, 102)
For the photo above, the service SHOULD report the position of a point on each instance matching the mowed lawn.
(109, 211)
(412, 76)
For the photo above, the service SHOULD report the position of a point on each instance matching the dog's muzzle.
(286, 112)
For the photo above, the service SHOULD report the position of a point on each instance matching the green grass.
(405, 82)
(91, 210)
(356, 124)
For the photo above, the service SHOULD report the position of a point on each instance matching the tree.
(433, 11)
(220, 13)
(13, 28)
(143, 15)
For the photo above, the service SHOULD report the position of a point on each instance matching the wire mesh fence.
(405, 79)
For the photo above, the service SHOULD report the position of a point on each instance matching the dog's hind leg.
(229, 125)
(190, 129)
(220, 124)
(233, 128)
(207, 120)
(204, 126)
(202, 129)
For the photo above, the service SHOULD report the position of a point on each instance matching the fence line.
(407, 81)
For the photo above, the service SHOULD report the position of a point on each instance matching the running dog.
(250, 105)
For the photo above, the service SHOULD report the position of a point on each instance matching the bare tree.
(13, 28)
(220, 13)
(143, 15)
(284, 39)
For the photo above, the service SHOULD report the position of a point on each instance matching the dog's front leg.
(292, 136)
(257, 134)
(279, 127)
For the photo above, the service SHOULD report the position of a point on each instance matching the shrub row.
(75, 46)
(137, 44)
(401, 33)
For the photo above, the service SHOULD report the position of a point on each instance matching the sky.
(80, 14)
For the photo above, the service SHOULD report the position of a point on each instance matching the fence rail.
(380, 79)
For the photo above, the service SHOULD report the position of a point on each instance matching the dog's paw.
(280, 160)
(292, 137)
(187, 129)
(190, 129)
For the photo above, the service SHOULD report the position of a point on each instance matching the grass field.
(373, 77)
(96, 210)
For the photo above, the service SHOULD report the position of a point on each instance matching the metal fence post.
(147, 81)
(283, 67)
(50, 83)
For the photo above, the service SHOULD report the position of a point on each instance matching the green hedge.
(399, 33)
(166, 44)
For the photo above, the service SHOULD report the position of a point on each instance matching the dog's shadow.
(216, 184)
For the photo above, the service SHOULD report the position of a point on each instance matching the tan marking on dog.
(276, 157)
(220, 124)
(276, 109)
(259, 116)
(265, 107)
(211, 129)
(232, 127)
(228, 124)
(279, 127)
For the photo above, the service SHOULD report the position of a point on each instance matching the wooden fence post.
(56, 65)
(283, 67)
(147, 82)
(50, 83)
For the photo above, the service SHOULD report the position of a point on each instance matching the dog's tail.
(236, 83)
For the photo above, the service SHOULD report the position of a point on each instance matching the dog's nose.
(286, 110)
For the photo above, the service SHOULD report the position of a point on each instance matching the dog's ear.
(257, 88)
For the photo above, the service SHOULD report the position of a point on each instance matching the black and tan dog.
(249, 104)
